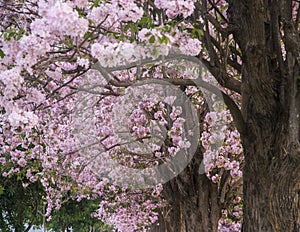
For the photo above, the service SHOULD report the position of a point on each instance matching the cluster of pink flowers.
(224, 153)
(116, 12)
(151, 127)
(222, 144)
(191, 47)
(58, 18)
(231, 220)
(12, 81)
(131, 211)
(115, 54)
(176, 7)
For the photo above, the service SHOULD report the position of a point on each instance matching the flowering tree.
(70, 69)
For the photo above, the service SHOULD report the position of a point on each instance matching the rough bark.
(271, 144)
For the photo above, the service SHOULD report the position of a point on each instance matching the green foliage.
(146, 22)
(152, 39)
(13, 33)
(18, 205)
(2, 54)
(1, 190)
(96, 3)
(21, 209)
(77, 215)
(197, 33)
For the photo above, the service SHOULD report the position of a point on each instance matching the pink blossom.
(4, 174)
(22, 162)
(2, 161)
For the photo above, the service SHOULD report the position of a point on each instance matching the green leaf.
(122, 37)
(152, 39)
(8, 34)
(127, 26)
(200, 32)
(80, 12)
(146, 22)
(2, 54)
(165, 39)
(196, 33)
(90, 22)
(87, 35)
(167, 28)
(96, 4)
(1, 190)
(134, 28)
(155, 52)
(20, 33)
(69, 43)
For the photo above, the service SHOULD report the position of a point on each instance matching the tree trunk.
(193, 203)
(271, 189)
(271, 114)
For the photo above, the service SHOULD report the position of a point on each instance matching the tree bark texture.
(193, 202)
(270, 109)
